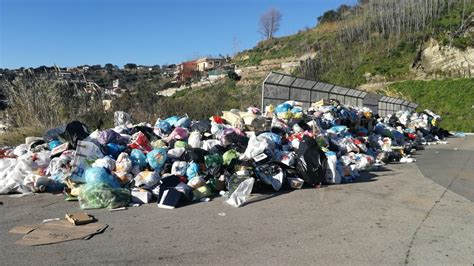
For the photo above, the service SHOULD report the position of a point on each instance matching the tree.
(270, 23)
(130, 66)
(329, 16)
(109, 66)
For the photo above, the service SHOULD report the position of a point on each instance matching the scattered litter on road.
(177, 160)
(50, 220)
(19, 195)
(118, 209)
(79, 218)
(222, 214)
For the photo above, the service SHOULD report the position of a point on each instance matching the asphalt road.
(403, 214)
(451, 165)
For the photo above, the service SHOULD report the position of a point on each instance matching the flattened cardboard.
(22, 229)
(59, 231)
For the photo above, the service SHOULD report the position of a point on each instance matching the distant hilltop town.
(112, 79)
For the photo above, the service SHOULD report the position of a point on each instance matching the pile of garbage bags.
(178, 160)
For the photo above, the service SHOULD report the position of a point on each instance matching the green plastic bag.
(213, 160)
(180, 144)
(229, 155)
(103, 196)
(202, 192)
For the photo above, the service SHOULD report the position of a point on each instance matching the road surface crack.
(427, 215)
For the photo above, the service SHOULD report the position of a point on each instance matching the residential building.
(186, 70)
(207, 63)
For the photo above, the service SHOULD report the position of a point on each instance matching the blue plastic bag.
(172, 120)
(157, 158)
(183, 122)
(98, 175)
(164, 127)
(113, 150)
(275, 138)
(54, 143)
(297, 110)
(282, 108)
(138, 158)
(192, 170)
(56, 184)
(338, 129)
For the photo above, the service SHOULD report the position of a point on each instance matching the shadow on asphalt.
(264, 193)
(370, 176)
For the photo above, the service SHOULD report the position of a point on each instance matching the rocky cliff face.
(438, 60)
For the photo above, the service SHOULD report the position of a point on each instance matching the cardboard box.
(79, 218)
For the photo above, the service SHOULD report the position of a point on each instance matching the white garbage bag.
(179, 168)
(242, 193)
(332, 175)
(194, 139)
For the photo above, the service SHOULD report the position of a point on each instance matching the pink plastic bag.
(178, 133)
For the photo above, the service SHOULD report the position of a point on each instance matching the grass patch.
(16, 136)
(453, 99)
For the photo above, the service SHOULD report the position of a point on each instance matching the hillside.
(380, 39)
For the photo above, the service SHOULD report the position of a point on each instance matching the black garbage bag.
(237, 142)
(214, 172)
(272, 174)
(195, 154)
(169, 195)
(311, 161)
(73, 132)
(218, 149)
(166, 169)
(201, 126)
(393, 121)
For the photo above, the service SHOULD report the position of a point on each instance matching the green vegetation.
(197, 103)
(18, 135)
(32, 117)
(453, 99)
(446, 28)
(293, 45)
(378, 37)
(204, 102)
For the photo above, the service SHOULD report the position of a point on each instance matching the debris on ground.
(56, 232)
(178, 160)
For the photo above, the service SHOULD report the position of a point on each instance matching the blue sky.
(76, 32)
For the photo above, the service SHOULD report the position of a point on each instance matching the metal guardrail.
(279, 87)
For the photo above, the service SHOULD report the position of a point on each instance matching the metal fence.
(278, 87)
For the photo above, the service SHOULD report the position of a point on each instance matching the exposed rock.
(436, 59)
